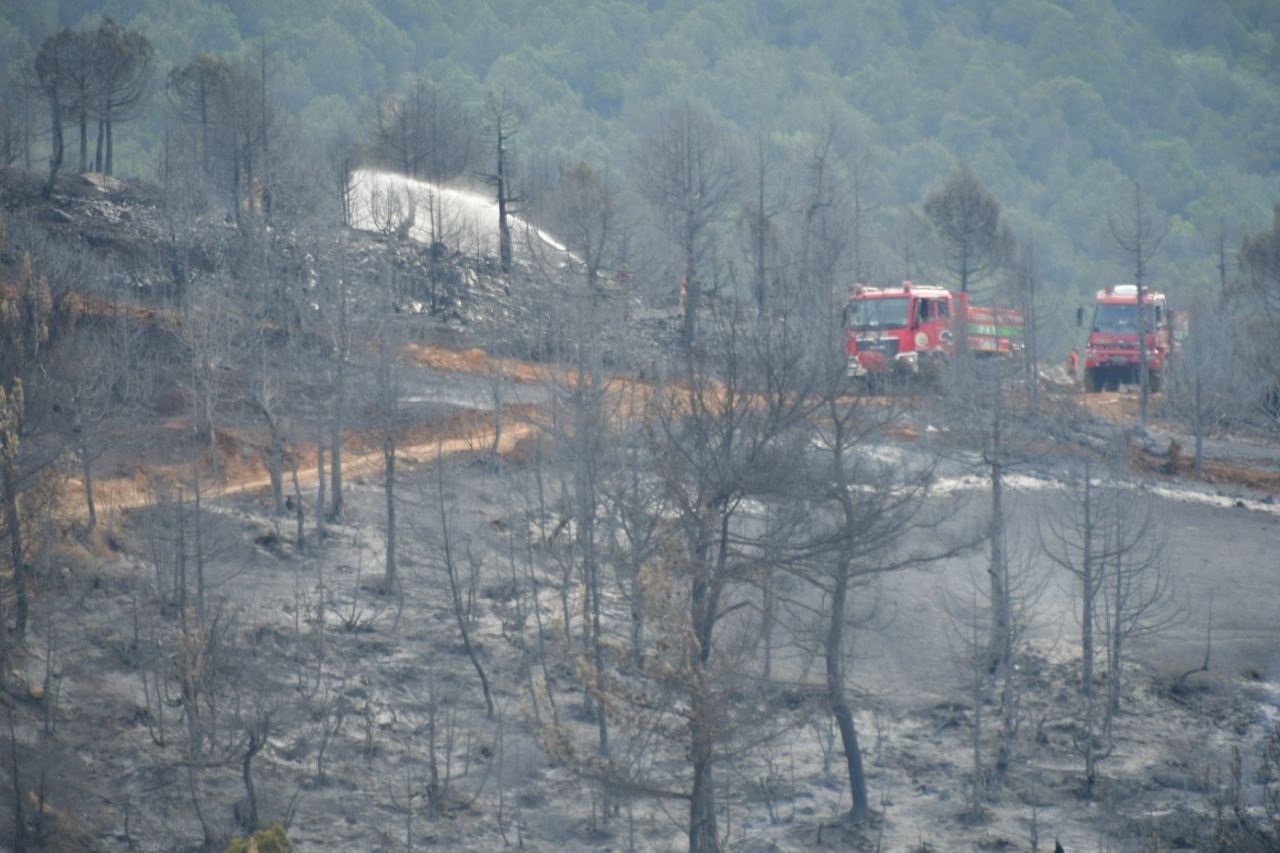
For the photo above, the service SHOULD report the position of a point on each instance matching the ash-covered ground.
(183, 653)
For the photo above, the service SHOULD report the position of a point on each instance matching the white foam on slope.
(387, 202)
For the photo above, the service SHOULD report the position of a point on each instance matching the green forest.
(1057, 107)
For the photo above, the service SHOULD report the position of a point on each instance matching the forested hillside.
(1058, 107)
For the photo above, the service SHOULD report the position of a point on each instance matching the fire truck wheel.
(1153, 381)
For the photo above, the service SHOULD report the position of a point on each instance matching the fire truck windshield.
(886, 312)
(1115, 318)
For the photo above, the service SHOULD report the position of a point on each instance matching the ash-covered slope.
(124, 243)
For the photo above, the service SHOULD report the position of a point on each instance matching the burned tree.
(976, 243)
(766, 203)
(122, 60)
(687, 173)
(864, 508)
(235, 120)
(60, 70)
(1257, 301)
(12, 406)
(1217, 380)
(583, 208)
(424, 132)
(195, 91)
(502, 123)
(1108, 541)
(1138, 237)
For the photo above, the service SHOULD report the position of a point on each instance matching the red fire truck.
(1112, 356)
(905, 330)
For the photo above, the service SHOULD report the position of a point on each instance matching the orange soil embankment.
(475, 361)
(239, 460)
(241, 464)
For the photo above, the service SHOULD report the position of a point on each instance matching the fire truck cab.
(898, 329)
(1113, 355)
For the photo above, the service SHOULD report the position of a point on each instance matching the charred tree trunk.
(12, 525)
(254, 746)
(504, 227)
(97, 153)
(320, 495)
(839, 703)
(335, 470)
(390, 578)
(86, 473)
(83, 124)
(298, 513)
(56, 145)
(703, 833)
(1144, 368)
(387, 392)
(275, 467)
(335, 435)
(455, 591)
(1001, 623)
(110, 168)
(690, 298)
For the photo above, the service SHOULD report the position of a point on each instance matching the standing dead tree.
(1075, 541)
(862, 509)
(1138, 237)
(1108, 541)
(687, 173)
(388, 402)
(723, 430)
(1218, 386)
(825, 221)
(209, 330)
(1024, 281)
(580, 418)
(12, 407)
(425, 133)
(59, 68)
(1257, 300)
(971, 614)
(28, 408)
(976, 243)
(632, 505)
(981, 420)
(123, 84)
(584, 212)
(988, 430)
(17, 119)
(95, 392)
(236, 122)
(766, 202)
(854, 514)
(195, 93)
(502, 123)
(331, 330)
(1139, 594)
(450, 548)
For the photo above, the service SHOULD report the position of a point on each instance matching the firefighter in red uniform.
(1073, 364)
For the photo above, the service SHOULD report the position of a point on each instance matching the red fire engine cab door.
(932, 323)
